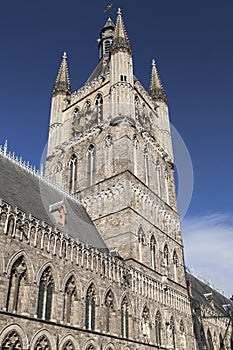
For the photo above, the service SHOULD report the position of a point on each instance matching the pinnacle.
(120, 40)
(156, 88)
(62, 83)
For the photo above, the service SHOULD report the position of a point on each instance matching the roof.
(101, 68)
(201, 292)
(34, 195)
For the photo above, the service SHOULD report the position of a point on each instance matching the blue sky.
(192, 44)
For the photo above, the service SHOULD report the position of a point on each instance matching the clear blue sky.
(192, 44)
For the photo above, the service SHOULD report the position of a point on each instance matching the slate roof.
(34, 195)
(199, 288)
(100, 69)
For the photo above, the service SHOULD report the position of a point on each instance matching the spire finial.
(156, 88)
(62, 83)
(120, 40)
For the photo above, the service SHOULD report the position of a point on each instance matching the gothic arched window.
(45, 296)
(109, 299)
(175, 265)
(146, 324)
(91, 165)
(18, 278)
(158, 178)
(107, 45)
(68, 345)
(137, 107)
(42, 344)
(172, 327)
(90, 308)
(125, 318)
(73, 173)
(158, 328)
(146, 166)
(141, 238)
(135, 155)
(183, 336)
(99, 107)
(12, 341)
(69, 300)
(152, 250)
(165, 257)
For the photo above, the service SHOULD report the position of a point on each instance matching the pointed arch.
(158, 328)
(172, 332)
(146, 323)
(99, 107)
(183, 343)
(73, 164)
(175, 265)
(90, 302)
(109, 305)
(135, 154)
(13, 335)
(137, 107)
(45, 294)
(166, 257)
(91, 165)
(153, 251)
(141, 240)
(43, 340)
(17, 286)
(68, 342)
(125, 317)
(11, 223)
(70, 300)
(146, 165)
(158, 178)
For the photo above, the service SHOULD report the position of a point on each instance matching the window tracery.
(45, 295)
(158, 328)
(73, 173)
(90, 307)
(42, 344)
(69, 300)
(68, 345)
(91, 165)
(109, 303)
(12, 341)
(125, 318)
(18, 278)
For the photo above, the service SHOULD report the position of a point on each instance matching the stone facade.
(122, 287)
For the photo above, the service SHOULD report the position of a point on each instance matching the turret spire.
(120, 40)
(62, 83)
(156, 88)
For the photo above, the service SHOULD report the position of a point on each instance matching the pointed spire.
(62, 83)
(120, 40)
(156, 88)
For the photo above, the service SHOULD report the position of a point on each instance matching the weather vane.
(108, 9)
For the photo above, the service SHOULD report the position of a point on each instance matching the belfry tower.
(110, 145)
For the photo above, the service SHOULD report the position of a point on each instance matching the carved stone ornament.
(12, 341)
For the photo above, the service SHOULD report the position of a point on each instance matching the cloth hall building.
(91, 252)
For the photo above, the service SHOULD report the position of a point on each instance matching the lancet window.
(91, 165)
(90, 308)
(141, 239)
(125, 318)
(158, 329)
(137, 105)
(175, 265)
(146, 166)
(43, 344)
(165, 257)
(73, 173)
(172, 327)
(99, 107)
(12, 341)
(109, 303)
(70, 298)
(45, 296)
(152, 251)
(68, 345)
(16, 291)
(135, 154)
(146, 324)
(158, 178)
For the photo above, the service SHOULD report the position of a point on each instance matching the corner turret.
(156, 88)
